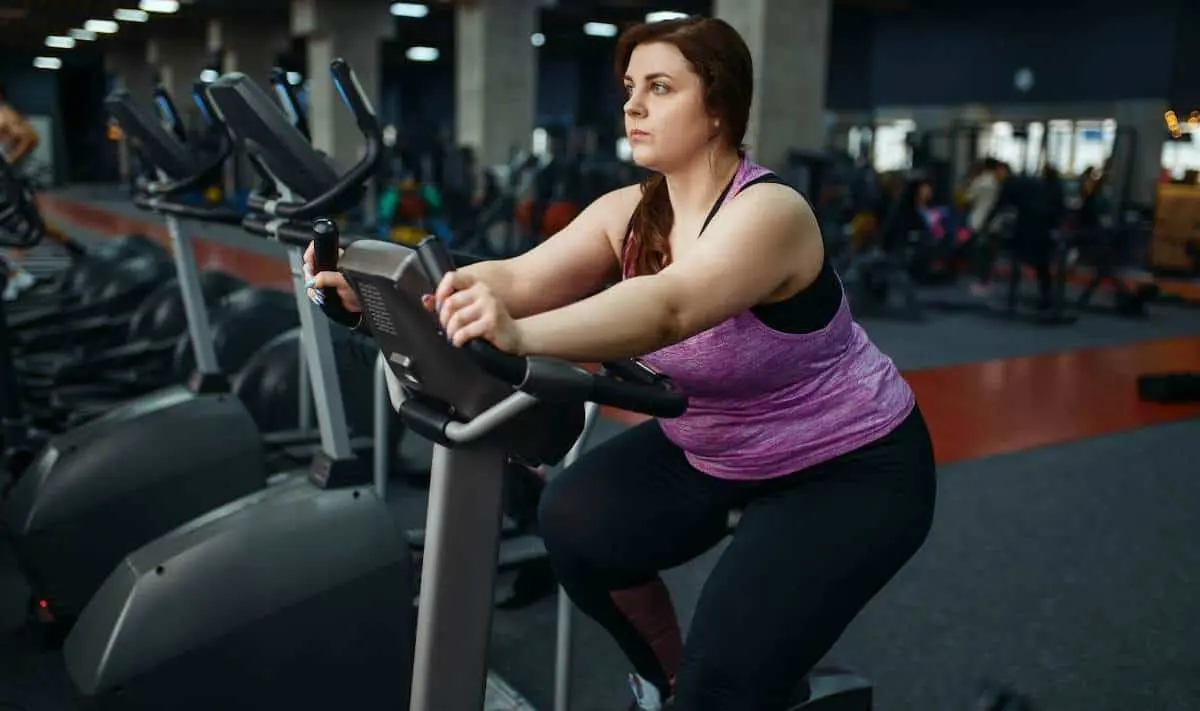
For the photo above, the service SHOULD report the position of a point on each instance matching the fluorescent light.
(164, 6)
(104, 27)
(47, 62)
(422, 54)
(126, 15)
(208, 76)
(82, 35)
(409, 9)
(663, 15)
(600, 29)
(58, 42)
(538, 39)
(294, 78)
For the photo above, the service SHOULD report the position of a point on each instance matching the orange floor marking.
(974, 410)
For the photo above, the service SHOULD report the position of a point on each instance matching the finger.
(349, 298)
(452, 282)
(477, 292)
(479, 328)
(428, 301)
(463, 318)
(452, 305)
(316, 297)
(324, 280)
(445, 288)
(310, 256)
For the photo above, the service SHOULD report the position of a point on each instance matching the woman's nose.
(633, 106)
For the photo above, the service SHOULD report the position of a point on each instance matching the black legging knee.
(811, 550)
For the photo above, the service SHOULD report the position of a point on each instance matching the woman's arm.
(576, 262)
(23, 138)
(764, 245)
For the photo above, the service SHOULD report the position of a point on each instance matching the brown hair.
(720, 57)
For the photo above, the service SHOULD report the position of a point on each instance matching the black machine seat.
(164, 150)
(258, 123)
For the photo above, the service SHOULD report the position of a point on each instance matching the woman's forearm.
(499, 277)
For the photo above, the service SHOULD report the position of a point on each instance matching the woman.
(795, 417)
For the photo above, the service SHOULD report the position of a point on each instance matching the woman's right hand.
(461, 281)
(317, 281)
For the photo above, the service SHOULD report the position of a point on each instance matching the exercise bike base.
(97, 492)
(290, 598)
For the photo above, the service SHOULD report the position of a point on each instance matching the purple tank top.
(763, 403)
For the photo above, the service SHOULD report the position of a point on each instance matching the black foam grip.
(326, 241)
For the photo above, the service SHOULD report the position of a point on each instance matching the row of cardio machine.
(194, 581)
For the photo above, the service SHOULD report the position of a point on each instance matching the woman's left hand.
(468, 309)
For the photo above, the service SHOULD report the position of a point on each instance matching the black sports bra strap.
(766, 178)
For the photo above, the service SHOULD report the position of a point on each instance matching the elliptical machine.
(21, 227)
(298, 596)
(96, 492)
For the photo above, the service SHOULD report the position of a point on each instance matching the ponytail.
(647, 250)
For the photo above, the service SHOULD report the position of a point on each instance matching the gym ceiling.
(25, 25)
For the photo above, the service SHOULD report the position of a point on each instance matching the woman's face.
(924, 194)
(665, 117)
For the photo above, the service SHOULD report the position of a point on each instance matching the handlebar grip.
(436, 261)
(656, 401)
(509, 368)
(633, 370)
(326, 240)
(286, 95)
(200, 97)
(351, 91)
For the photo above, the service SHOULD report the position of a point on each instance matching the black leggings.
(811, 550)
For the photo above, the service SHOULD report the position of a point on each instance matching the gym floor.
(1062, 560)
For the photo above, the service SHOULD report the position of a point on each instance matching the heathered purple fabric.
(764, 404)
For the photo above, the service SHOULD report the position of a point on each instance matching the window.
(1060, 146)
(858, 145)
(1181, 155)
(891, 146)
(1093, 144)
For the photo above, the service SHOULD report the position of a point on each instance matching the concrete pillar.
(353, 31)
(789, 42)
(179, 61)
(252, 50)
(496, 79)
(1140, 127)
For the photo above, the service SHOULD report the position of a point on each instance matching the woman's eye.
(659, 88)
